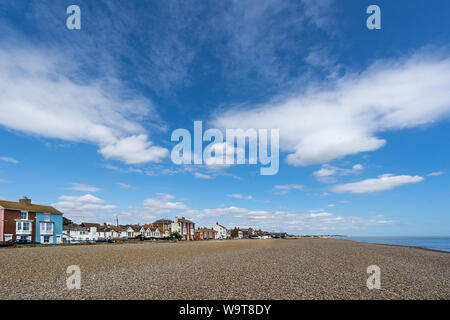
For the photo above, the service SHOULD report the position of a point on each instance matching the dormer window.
(24, 215)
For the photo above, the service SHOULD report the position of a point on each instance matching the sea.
(435, 243)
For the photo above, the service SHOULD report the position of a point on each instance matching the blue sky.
(87, 115)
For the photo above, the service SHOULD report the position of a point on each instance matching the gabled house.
(25, 222)
(109, 232)
(134, 231)
(221, 231)
(164, 226)
(184, 227)
(129, 232)
(151, 231)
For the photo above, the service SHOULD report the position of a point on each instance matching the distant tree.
(176, 235)
(66, 221)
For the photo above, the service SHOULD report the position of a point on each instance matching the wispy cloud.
(125, 186)
(344, 117)
(105, 112)
(286, 188)
(199, 175)
(328, 172)
(434, 174)
(239, 196)
(84, 187)
(383, 182)
(8, 159)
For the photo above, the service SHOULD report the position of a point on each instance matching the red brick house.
(205, 234)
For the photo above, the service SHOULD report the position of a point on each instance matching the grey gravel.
(231, 269)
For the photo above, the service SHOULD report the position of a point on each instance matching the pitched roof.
(205, 229)
(32, 207)
(184, 220)
(116, 228)
(163, 221)
(217, 224)
(135, 227)
(74, 227)
(108, 228)
(89, 225)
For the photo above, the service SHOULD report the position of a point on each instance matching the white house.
(150, 231)
(74, 233)
(221, 231)
(109, 232)
(155, 233)
(129, 231)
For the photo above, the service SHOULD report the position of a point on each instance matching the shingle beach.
(231, 269)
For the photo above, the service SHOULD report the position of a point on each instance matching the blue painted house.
(48, 228)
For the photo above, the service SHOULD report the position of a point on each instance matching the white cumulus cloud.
(42, 88)
(345, 116)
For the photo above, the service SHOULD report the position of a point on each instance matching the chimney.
(25, 201)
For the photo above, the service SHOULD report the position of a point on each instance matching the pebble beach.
(228, 269)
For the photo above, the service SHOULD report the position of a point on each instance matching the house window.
(24, 215)
(46, 227)
(46, 217)
(26, 226)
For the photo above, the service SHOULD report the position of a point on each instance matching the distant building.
(133, 231)
(236, 233)
(24, 222)
(78, 233)
(151, 231)
(247, 233)
(164, 226)
(184, 227)
(205, 234)
(107, 231)
(221, 231)
(277, 235)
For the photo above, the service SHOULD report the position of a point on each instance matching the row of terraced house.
(25, 222)
(159, 229)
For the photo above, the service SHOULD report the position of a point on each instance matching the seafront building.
(236, 233)
(221, 231)
(205, 234)
(79, 233)
(25, 222)
(184, 227)
(164, 226)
